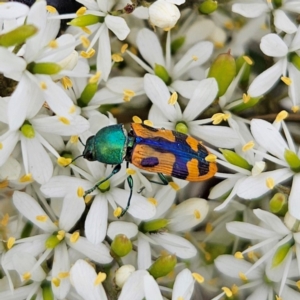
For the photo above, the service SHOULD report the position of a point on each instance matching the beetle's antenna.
(81, 142)
(74, 160)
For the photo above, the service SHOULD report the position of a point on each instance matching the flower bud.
(236, 159)
(278, 204)
(207, 7)
(163, 266)
(163, 14)
(154, 225)
(250, 103)
(177, 44)
(122, 274)
(86, 20)
(47, 290)
(295, 60)
(46, 68)
(162, 73)
(52, 241)
(28, 130)
(292, 159)
(121, 245)
(280, 254)
(87, 94)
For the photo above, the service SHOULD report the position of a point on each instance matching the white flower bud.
(163, 14)
(122, 274)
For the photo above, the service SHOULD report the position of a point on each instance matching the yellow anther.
(95, 78)
(53, 44)
(63, 275)
(270, 183)
(64, 120)
(43, 85)
(148, 123)
(86, 30)
(211, 158)
(128, 94)
(118, 212)
(281, 116)
(1, 146)
(41, 218)
(229, 25)
(80, 191)
(219, 45)
(26, 178)
(286, 80)
(117, 57)
(72, 109)
(239, 255)
(4, 184)
(174, 185)
(85, 41)
(51, 9)
(74, 139)
(100, 278)
(217, 118)
(66, 82)
(153, 201)
(81, 11)
(295, 108)
(248, 146)
(194, 58)
(87, 199)
(243, 276)
(130, 171)
(227, 291)
(234, 289)
(298, 284)
(197, 214)
(63, 161)
(208, 228)
(55, 281)
(88, 54)
(173, 99)
(124, 48)
(137, 120)
(198, 277)
(246, 98)
(74, 237)
(248, 60)
(5, 220)
(10, 242)
(26, 276)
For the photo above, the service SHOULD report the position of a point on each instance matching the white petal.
(254, 187)
(184, 285)
(13, 10)
(30, 209)
(294, 203)
(223, 187)
(266, 80)
(204, 94)
(272, 45)
(104, 53)
(8, 143)
(11, 63)
(159, 94)
(185, 88)
(283, 22)
(250, 10)
(11, 169)
(294, 87)
(118, 26)
(165, 197)
(151, 289)
(269, 138)
(83, 276)
(120, 83)
(144, 260)
(150, 47)
(120, 227)
(96, 221)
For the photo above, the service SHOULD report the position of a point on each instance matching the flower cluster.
(108, 110)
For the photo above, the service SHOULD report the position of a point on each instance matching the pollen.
(198, 277)
(117, 57)
(217, 118)
(128, 94)
(53, 44)
(239, 255)
(194, 57)
(51, 9)
(174, 185)
(246, 98)
(74, 237)
(5, 220)
(248, 60)
(270, 183)
(43, 85)
(286, 80)
(63, 161)
(63, 275)
(41, 218)
(281, 116)
(117, 212)
(130, 171)
(153, 201)
(88, 54)
(137, 120)
(295, 108)
(74, 139)
(173, 99)
(66, 82)
(10, 242)
(227, 291)
(124, 48)
(208, 228)
(197, 214)
(100, 278)
(26, 178)
(248, 146)
(64, 120)
(26, 276)
(55, 281)
(80, 191)
(148, 123)
(95, 78)
(86, 30)
(243, 276)
(211, 158)
(85, 41)
(4, 184)
(81, 11)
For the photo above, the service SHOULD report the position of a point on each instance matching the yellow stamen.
(55, 281)
(148, 123)
(100, 278)
(248, 60)
(1, 146)
(248, 146)
(63, 275)
(74, 237)
(298, 284)
(211, 158)
(173, 98)
(124, 48)
(239, 255)
(41, 218)
(85, 41)
(246, 98)
(81, 11)
(95, 78)
(74, 139)
(72, 109)
(194, 58)
(5, 220)
(63, 161)
(208, 228)
(87, 199)
(243, 276)
(137, 120)
(281, 116)
(66, 82)
(118, 212)
(234, 289)
(117, 57)
(295, 108)
(26, 178)
(198, 277)
(270, 183)
(4, 184)
(51, 9)
(80, 191)
(153, 201)
(88, 54)
(286, 80)
(197, 214)
(128, 94)
(10, 242)
(227, 291)
(130, 171)
(64, 120)
(229, 25)
(43, 85)
(217, 118)
(219, 45)
(174, 185)
(278, 298)
(53, 44)
(86, 30)
(26, 276)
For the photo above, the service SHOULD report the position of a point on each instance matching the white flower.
(163, 14)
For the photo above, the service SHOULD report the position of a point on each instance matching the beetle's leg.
(164, 180)
(116, 169)
(130, 184)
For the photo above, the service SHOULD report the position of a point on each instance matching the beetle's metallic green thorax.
(110, 144)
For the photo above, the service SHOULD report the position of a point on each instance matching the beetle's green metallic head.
(108, 146)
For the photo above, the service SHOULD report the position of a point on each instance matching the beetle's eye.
(89, 156)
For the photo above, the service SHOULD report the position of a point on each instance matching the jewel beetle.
(155, 150)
